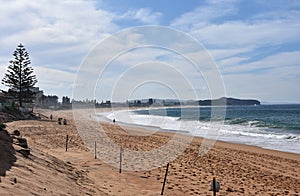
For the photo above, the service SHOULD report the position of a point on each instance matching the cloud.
(50, 26)
(54, 22)
(57, 34)
(146, 16)
(281, 60)
(143, 15)
(237, 34)
(204, 14)
(57, 82)
(215, 24)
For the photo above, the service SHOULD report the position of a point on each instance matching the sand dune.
(50, 170)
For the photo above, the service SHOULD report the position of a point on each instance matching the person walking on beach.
(114, 121)
(51, 117)
(59, 121)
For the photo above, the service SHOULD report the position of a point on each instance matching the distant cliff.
(228, 101)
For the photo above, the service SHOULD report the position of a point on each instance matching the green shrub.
(2, 126)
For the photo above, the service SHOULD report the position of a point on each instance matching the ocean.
(274, 127)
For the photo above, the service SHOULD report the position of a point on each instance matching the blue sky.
(255, 44)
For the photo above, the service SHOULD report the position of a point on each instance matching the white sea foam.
(237, 133)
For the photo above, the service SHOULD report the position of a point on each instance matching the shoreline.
(232, 145)
(102, 118)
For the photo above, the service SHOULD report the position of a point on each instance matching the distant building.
(38, 96)
(44, 101)
(66, 101)
(50, 101)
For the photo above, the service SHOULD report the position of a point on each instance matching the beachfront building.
(50, 102)
(5, 101)
(38, 96)
(44, 101)
(66, 102)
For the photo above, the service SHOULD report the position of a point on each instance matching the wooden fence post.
(121, 156)
(95, 150)
(67, 139)
(165, 179)
(214, 186)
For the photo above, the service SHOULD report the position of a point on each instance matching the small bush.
(2, 126)
(11, 109)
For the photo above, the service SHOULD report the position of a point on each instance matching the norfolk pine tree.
(19, 77)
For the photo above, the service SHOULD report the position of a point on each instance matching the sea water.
(274, 127)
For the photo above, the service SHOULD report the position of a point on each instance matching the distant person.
(51, 117)
(114, 121)
(59, 120)
(65, 121)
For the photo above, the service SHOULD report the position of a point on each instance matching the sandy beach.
(50, 170)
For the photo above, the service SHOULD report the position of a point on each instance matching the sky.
(252, 48)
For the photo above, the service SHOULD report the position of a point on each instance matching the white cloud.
(57, 35)
(237, 34)
(55, 81)
(209, 25)
(144, 15)
(205, 14)
(219, 54)
(262, 66)
(62, 22)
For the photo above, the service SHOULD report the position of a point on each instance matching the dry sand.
(50, 170)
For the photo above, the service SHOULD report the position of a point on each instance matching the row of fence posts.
(215, 186)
